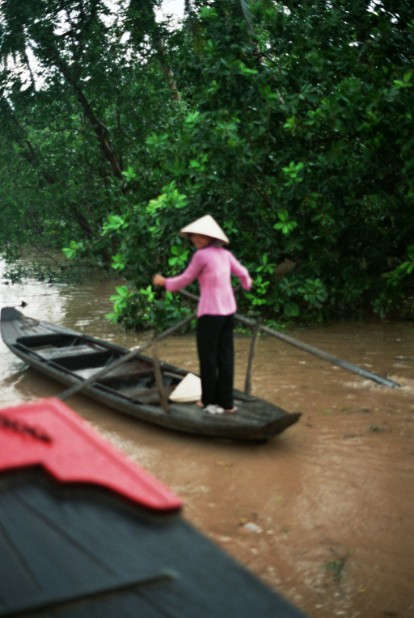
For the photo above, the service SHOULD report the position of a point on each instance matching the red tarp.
(48, 433)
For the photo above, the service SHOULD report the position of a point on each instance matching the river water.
(322, 513)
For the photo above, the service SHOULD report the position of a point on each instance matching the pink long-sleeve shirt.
(213, 267)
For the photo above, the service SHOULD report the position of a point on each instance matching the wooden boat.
(86, 532)
(71, 357)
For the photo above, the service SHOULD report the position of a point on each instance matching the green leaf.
(129, 174)
(114, 223)
(74, 249)
(118, 262)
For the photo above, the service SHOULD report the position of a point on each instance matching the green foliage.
(396, 281)
(114, 223)
(284, 225)
(73, 250)
(124, 306)
(404, 270)
(291, 124)
(145, 307)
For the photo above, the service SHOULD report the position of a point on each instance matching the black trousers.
(215, 348)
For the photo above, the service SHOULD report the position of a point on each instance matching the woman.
(213, 266)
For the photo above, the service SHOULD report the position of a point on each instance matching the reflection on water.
(323, 513)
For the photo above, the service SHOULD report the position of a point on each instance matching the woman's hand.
(158, 280)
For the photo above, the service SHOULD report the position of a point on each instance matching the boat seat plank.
(73, 350)
(87, 372)
(135, 368)
(127, 372)
(113, 377)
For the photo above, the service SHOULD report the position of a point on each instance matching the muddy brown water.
(322, 513)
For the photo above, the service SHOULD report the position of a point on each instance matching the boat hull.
(71, 357)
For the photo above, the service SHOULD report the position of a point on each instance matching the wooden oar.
(308, 348)
(76, 388)
(248, 379)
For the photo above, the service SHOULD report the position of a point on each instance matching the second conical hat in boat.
(206, 226)
(189, 389)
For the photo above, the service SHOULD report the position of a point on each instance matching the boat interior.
(82, 357)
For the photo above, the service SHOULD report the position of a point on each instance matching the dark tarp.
(78, 550)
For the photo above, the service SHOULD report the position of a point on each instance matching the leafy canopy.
(290, 123)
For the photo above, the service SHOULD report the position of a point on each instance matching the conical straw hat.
(188, 390)
(207, 226)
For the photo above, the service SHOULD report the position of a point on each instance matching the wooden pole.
(158, 379)
(248, 379)
(311, 350)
